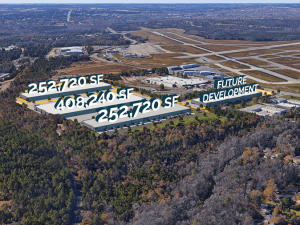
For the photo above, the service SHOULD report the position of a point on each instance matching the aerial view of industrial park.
(153, 113)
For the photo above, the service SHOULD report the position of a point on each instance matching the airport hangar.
(232, 99)
(67, 92)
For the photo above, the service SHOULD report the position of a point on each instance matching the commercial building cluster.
(279, 106)
(194, 69)
(45, 104)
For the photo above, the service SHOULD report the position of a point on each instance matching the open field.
(287, 61)
(86, 68)
(288, 53)
(220, 48)
(253, 53)
(262, 76)
(213, 57)
(294, 47)
(291, 97)
(159, 60)
(255, 62)
(268, 56)
(233, 75)
(290, 73)
(182, 48)
(233, 65)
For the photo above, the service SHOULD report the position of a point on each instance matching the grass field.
(291, 97)
(232, 74)
(255, 62)
(233, 65)
(160, 60)
(252, 53)
(293, 47)
(268, 56)
(262, 76)
(287, 61)
(220, 48)
(182, 48)
(290, 73)
(213, 57)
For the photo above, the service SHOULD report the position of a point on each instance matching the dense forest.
(206, 172)
(8, 56)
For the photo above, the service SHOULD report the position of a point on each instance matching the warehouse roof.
(87, 86)
(161, 111)
(49, 107)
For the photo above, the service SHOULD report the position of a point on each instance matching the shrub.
(171, 123)
(226, 200)
(235, 175)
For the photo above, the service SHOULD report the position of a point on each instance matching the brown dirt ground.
(233, 65)
(255, 62)
(159, 60)
(253, 53)
(183, 48)
(293, 47)
(290, 73)
(262, 76)
(213, 57)
(87, 68)
(287, 61)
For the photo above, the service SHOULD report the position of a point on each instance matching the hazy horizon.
(149, 2)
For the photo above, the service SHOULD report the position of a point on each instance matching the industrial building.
(67, 92)
(214, 77)
(292, 101)
(3, 75)
(273, 110)
(49, 108)
(75, 50)
(253, 108)
(112, 51)
(232, 99)
(191, 72)
(172, 81)
(141, 118)
(279, 100)
(172, 69)
(288, 105)
(188, 66)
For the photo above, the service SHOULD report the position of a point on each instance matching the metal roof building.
(49, 108)
(141, 118)
(67, 92)
(187, 66)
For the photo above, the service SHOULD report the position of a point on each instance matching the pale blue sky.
(143, 1)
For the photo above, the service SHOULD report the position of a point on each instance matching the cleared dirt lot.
(262, 76)
(182, 48)
(160, 60)
(87, 68)
(253, 53)
(255, 62)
